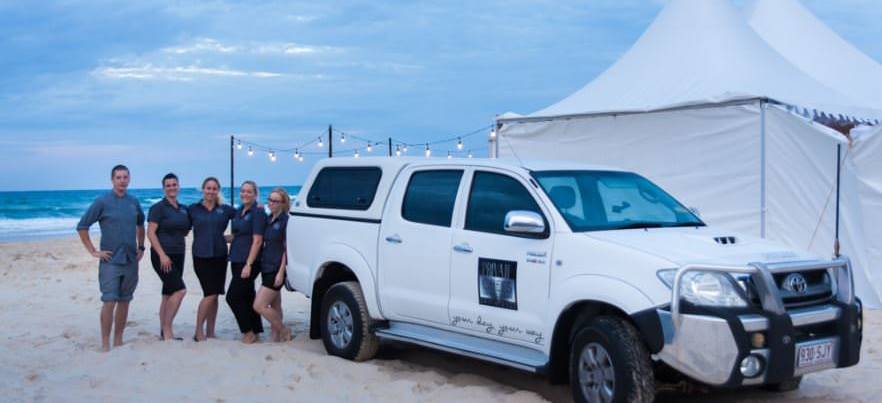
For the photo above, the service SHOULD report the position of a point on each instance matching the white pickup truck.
(593, 276)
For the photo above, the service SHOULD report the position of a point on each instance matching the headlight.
(705, 288)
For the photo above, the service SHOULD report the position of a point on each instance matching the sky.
(161, 85)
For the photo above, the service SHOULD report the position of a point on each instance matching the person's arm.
(164, 261)
(280, 277)
(139, 234)
(256, 243)
(91, 217)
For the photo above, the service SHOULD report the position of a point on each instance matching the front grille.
(818, 290)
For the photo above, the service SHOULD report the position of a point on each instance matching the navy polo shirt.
(172, 225)
(118, 217)
(273, 243)
(245, 225)
(208, 229)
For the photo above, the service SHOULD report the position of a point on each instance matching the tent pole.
(232, 171)
(762, 168)
(838, 181)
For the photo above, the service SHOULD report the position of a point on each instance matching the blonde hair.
(286, 199)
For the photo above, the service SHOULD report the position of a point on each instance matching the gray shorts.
(117, 281)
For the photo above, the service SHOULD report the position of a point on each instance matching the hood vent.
(725, 240)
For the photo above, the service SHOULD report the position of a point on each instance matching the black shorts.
(172, 281)
(212, 274)
(268, 280)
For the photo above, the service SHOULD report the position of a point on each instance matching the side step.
(497, 352)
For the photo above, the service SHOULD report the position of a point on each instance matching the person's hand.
(280, 278)
(246, 271)
(228, 238)
(103, 255)
(165, 263)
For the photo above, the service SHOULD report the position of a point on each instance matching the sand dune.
(49, 352)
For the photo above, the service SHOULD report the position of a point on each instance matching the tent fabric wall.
(712, 159)
(708, 158)
(864, 210)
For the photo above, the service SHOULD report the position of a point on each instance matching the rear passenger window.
(346, 188)
(431, 196)
(492, 197)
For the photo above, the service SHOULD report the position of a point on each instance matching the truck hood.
(702, 245)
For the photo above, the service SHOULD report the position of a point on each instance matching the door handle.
(463, 248)
(393, 238)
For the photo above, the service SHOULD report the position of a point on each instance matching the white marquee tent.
(702, 105)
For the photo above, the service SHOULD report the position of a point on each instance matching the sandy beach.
(49, 304)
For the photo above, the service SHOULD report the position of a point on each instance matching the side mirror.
(524, 222)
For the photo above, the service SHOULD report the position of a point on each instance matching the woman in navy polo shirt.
(210, 218)
(167, 225)
(247, 227)
(273, 260)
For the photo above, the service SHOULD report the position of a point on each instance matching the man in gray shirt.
(122, 245)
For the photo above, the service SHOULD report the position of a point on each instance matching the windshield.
(605, 200)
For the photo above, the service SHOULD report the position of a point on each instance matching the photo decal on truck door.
(497, 283)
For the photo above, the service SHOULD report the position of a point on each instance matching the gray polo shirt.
(118, 218)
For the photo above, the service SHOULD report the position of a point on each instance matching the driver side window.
(492, 196)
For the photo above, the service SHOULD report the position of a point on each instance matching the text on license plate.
(817, 353)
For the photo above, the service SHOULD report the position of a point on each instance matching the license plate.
(814, 353)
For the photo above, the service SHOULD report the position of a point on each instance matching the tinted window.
(492, 197)
(431, 196)
(348, 188)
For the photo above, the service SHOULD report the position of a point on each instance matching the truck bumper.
(710, 345)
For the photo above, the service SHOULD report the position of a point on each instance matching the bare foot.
(285, 335)
(198, 337)
(249, 338)
(275, 336)
(105, 348)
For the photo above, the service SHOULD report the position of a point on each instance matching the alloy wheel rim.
(596, 374)
(340, 325)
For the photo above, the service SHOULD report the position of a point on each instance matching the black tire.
(786, 386)
(633, 377)
(363, 344)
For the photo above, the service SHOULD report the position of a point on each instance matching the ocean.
(34, 215)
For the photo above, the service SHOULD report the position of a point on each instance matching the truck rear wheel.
(609, 363)
(346, 324)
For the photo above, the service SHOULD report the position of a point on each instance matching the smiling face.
(210, 190)
(171, 187)
(120, 180)
(275, 202)
(247, 193)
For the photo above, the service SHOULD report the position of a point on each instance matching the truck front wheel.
(609, 363)
(346, 324)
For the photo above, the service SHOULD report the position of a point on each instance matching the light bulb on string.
(272, 156)
(370, 148)
(398, 150)
(459, 144)
(297, 154)
(428, 151)
(493, 134)
(356, 154)
(470, 153)
(250, 151)
(239, 144)
(449, 156)
(320, 143)
(342, 137)
(404, 149)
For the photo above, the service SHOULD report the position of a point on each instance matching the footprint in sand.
(33, 376)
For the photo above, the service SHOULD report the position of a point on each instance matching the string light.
(428, 151)
(250, 151)
(449, 156)
(320, 143)
(239, 144)
(404, 150)
(470, 153)
(356, 154)
(459, 143)
(272, 156)
(370, 148)
(297, 154)
(398, 150)
(493, 134)
(342, 137)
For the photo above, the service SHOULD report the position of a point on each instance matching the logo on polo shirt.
(276, 226)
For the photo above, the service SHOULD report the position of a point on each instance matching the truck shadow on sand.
(474, 371)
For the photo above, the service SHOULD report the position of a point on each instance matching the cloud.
(214, 46)
(176, 73)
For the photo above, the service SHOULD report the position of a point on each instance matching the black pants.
(240, 297)
(172, 280)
